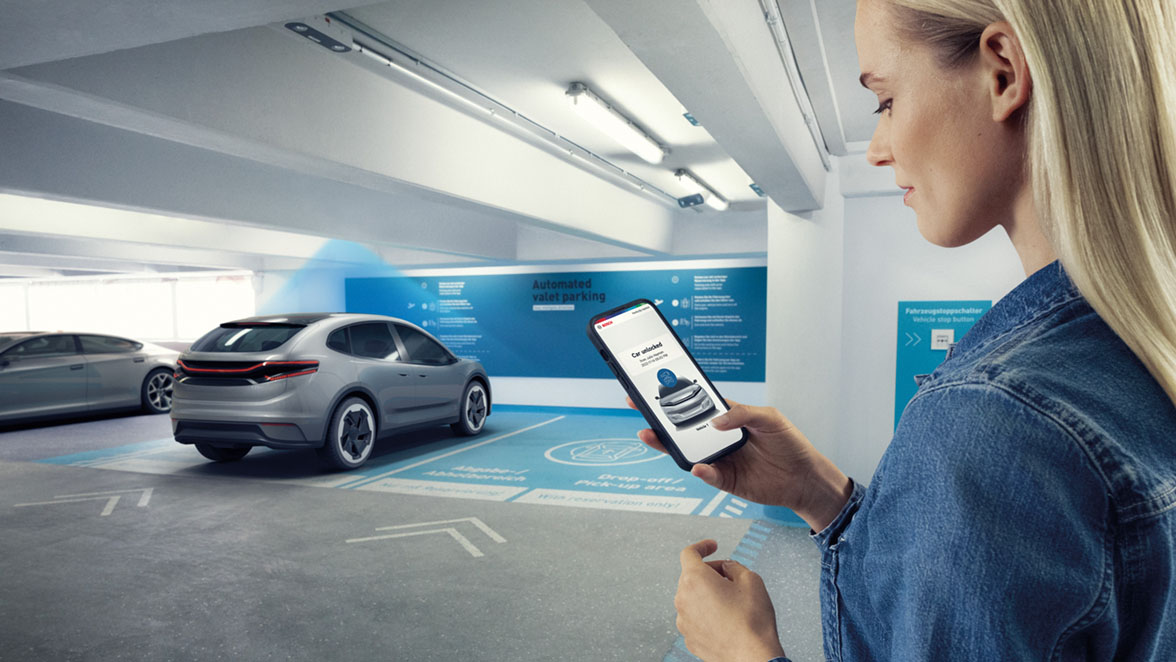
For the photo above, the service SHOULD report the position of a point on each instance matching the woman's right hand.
(778, 466)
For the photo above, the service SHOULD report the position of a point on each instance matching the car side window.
(421, 348)
(373, 340)
(339, 341)
(108, 345)
(43, 347)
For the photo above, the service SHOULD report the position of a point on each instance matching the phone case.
(662, 434)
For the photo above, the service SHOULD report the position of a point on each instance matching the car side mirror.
(4, 363)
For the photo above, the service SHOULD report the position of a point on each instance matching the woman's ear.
(1006, 73)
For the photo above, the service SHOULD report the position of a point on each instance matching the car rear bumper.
(222, 433)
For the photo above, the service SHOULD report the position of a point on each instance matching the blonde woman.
(1026, 506)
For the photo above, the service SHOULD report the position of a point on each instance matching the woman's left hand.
(724, 611)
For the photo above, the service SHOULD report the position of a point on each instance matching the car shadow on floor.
(73, 419)
(293, 464)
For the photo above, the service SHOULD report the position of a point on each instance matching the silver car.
(330, 381)
(55, 374)
(684, 402)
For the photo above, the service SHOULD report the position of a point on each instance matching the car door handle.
(77, 367)
(404, 374)
(422, 375)
(139, 360)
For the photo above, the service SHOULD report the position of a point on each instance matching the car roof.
(18, 336)
(312, 318)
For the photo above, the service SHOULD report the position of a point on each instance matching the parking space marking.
(714, 503)
(566, 457)
(372, 479)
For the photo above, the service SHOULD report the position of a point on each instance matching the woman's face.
(961, 168)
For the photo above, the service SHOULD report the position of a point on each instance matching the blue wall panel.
(533, 324)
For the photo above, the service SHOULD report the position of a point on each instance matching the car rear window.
(108, 345)
(246, 337)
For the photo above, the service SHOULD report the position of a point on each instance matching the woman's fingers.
(649, 438)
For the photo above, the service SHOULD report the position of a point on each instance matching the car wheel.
(474, 408)
(223, 453)
(351, 435)
(156, 392)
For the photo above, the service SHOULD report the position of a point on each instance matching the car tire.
(351, 434)
(223, 453)
(156, 392)
(475, 406)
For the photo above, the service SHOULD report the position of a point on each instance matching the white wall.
(804, 351)
(886, 260)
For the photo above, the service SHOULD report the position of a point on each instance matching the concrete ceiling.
(169, 134)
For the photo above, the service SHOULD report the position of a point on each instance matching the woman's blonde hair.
(1102, 152)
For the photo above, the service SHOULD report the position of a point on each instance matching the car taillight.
(272, 371)
(267, 371)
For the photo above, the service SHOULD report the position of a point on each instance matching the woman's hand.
(777, 466)
(724, 612)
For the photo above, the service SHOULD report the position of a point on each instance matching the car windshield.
(246, 337)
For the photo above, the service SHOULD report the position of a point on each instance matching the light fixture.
(324, 32)
(695, 186)
(617, 126)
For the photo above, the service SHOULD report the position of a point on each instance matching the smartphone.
(664, 381)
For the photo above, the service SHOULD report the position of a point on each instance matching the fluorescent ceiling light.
(617, 126)
(692, 184)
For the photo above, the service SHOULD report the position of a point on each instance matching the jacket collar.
(1041, 292)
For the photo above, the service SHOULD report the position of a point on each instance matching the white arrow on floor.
(112, 498)
(452, 531)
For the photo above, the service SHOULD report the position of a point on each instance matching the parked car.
(54, 374)
(331, 381)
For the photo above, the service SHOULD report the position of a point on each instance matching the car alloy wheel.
(157, 392)
(475, 407)
(350, 436)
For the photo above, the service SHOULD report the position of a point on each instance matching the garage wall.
(805, 317)
(321, 287)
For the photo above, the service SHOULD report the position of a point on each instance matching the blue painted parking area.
(562, 457)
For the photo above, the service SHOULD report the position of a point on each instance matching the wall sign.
(925, 331)
(533, 324)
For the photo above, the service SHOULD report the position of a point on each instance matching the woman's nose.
(878, 153)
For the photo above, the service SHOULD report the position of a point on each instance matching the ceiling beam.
(36, 32)
(275, 99)
(719, 58)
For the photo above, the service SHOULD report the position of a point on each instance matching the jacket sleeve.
(983, 535)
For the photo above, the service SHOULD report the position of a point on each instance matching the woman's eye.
(885, 105)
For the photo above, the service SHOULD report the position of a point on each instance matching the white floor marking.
(111, 501)
(465, 542)
(472, 520)
(453, 452)
(452, 531)
(714, 503)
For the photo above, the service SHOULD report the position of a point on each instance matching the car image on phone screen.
(664, 381)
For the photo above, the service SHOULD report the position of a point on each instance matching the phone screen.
(667, 379)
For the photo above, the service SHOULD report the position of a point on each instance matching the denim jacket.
(1025, 508)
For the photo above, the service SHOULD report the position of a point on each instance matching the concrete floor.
(209, 566)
